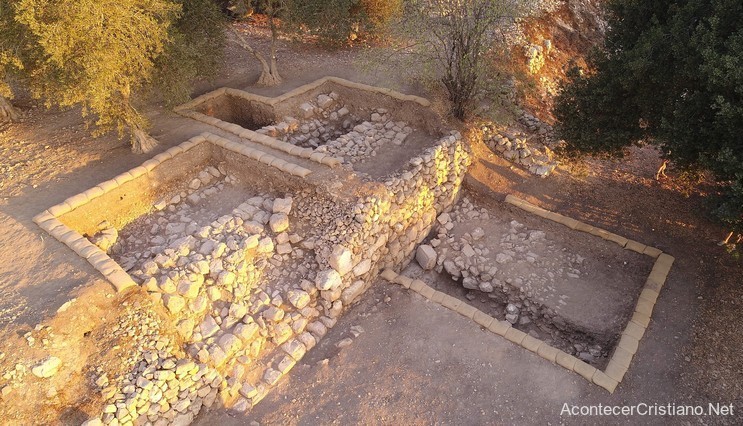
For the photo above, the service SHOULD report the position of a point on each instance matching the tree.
(273, 9)
(98, 54)
(195, 47)
(332, 21)
(670, 73)
(14, 49)
(451, 38)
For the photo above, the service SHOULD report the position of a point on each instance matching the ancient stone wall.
(388, 225)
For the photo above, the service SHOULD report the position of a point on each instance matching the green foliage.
(380, 13)
(450, 40)
(96, 53)
(670, 73)
(332, 21)
(195, 48)
(14, 47)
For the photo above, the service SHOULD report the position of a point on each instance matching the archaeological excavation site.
(239, 249)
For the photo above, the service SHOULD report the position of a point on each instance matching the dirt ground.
(415, 363)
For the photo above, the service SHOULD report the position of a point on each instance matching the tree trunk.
(142, 143)
(7, 112)
(269, 70)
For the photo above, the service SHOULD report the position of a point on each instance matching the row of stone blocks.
(631, 335)
(49, 221)
(264, 140)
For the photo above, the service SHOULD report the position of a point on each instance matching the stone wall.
(388, 225)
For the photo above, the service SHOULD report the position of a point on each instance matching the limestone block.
(652, 251)
(482, 318)
(362, 267)
(466, 310)
(47, 367)
(271, 376)
(531, 343)
(282, 205)
(327, 280)
(585, 370)
(230, 343)
(246, 332)
(635, 330)
(279, 222)
(548, 352)
(565, 360)
(514, 335)
(352, 292)
(601, 379)
(341, 259)
(298, 298)
(417, 286)
(615, 370)
(294, 349)
(426, 256)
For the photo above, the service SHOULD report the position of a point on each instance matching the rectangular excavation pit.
(370, 129)
(571, 290)
(245, 313)
(226, 244)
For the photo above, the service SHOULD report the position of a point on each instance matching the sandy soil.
(414, 363)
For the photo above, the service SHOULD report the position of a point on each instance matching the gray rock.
(282, 205)
(426, 256)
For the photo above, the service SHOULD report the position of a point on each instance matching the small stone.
(174, 303)
(344, 343)
(208, 327)
(265, 245)
(246, 332)
(502, 258)
(271, 376)
(273, 314)
(282, 205)
(47, 367)
(279, 222)
(486, 287)
(341, 260)
(298, 298)
(362, 267)
(229, 343)
(327, 280)
(426, 256)
(285, 248)
(324, 101)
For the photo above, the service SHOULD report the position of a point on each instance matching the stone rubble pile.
(161, 387)
(509, 271)
(251, 291)
(365, 140)
(327, 125)
(320, 122)
(514, 147)
(543, 132)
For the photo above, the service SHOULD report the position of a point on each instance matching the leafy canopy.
(96, 52)
(670, 73)
(99, 54)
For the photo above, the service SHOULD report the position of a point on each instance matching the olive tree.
(100, 54)
(97, 54)
(13, 49)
